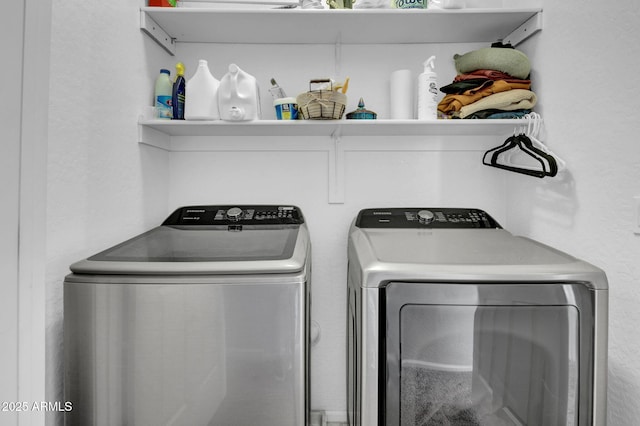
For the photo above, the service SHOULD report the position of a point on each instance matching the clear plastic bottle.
(201, 99)
(428, 91)
(163, 95)
(276, 91)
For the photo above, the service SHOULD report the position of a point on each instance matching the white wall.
(372, 179)
(104, 187)
(392, 177)
(22, 171)
(583, 70)
(10, 112)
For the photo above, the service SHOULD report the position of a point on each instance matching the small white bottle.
(428, 91)
(162, 94)
(201, 95)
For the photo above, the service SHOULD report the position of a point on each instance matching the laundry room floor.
(318, 418)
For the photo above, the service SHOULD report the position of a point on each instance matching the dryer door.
(482, 354)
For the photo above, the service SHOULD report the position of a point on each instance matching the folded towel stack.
(492, 82)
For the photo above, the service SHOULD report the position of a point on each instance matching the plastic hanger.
(520, 143)
(525, 141)
(532, 131)
(506, 143)
(550, 166)
(534, 127)
(516, 142)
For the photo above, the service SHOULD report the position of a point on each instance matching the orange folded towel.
(451, 103)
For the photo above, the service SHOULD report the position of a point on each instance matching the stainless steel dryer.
(200, 321)
(453, 320)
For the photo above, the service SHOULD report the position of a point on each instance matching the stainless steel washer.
(453, 320)
(201, 321)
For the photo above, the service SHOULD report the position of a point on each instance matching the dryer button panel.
(235, 215)
(436, 218)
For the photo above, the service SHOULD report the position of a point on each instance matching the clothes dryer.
(453, 320)
(200, 321)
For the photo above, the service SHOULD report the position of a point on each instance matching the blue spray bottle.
(178, 93)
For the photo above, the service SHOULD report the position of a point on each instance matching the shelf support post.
(149, 26)
(524, 31)
(152, 137)
(337, 56)
(336, 168)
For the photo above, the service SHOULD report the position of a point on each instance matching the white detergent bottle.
(238, 96)
(162, 95)
(201, 95)
(428, 91)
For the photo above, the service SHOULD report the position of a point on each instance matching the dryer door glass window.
(455, 354)
(488, 365)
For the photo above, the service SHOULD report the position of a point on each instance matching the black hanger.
(547, 162)
(552, 168)
(525, 145)
(506, 143)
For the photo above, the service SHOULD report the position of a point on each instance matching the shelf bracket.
(336, 168)
(153, 30)
(524, 31)
(337, 56)
(152, 137)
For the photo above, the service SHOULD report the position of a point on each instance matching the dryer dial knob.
(425, 217)
(235, 214)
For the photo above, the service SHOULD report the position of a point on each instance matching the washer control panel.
(435, 218)
(235, 215)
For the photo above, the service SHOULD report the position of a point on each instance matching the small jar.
(362, 113)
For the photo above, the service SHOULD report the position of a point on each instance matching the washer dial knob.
(235, 214)
(425, 217)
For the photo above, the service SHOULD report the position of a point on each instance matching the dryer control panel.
(427, 217)
(235, 215)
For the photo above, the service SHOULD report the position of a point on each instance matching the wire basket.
(321, 104)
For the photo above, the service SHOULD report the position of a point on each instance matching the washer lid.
(236, 244)
(394, 245)
(460, 247)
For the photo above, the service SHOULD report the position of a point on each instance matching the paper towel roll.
(401, 95)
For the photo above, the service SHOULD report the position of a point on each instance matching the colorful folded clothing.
(488, 75)
(451, 103)
(509, 100)
(459, 87)
(510, 61)
(498, 114)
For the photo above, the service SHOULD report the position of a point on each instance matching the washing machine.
(200, 321)
(453, 320)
